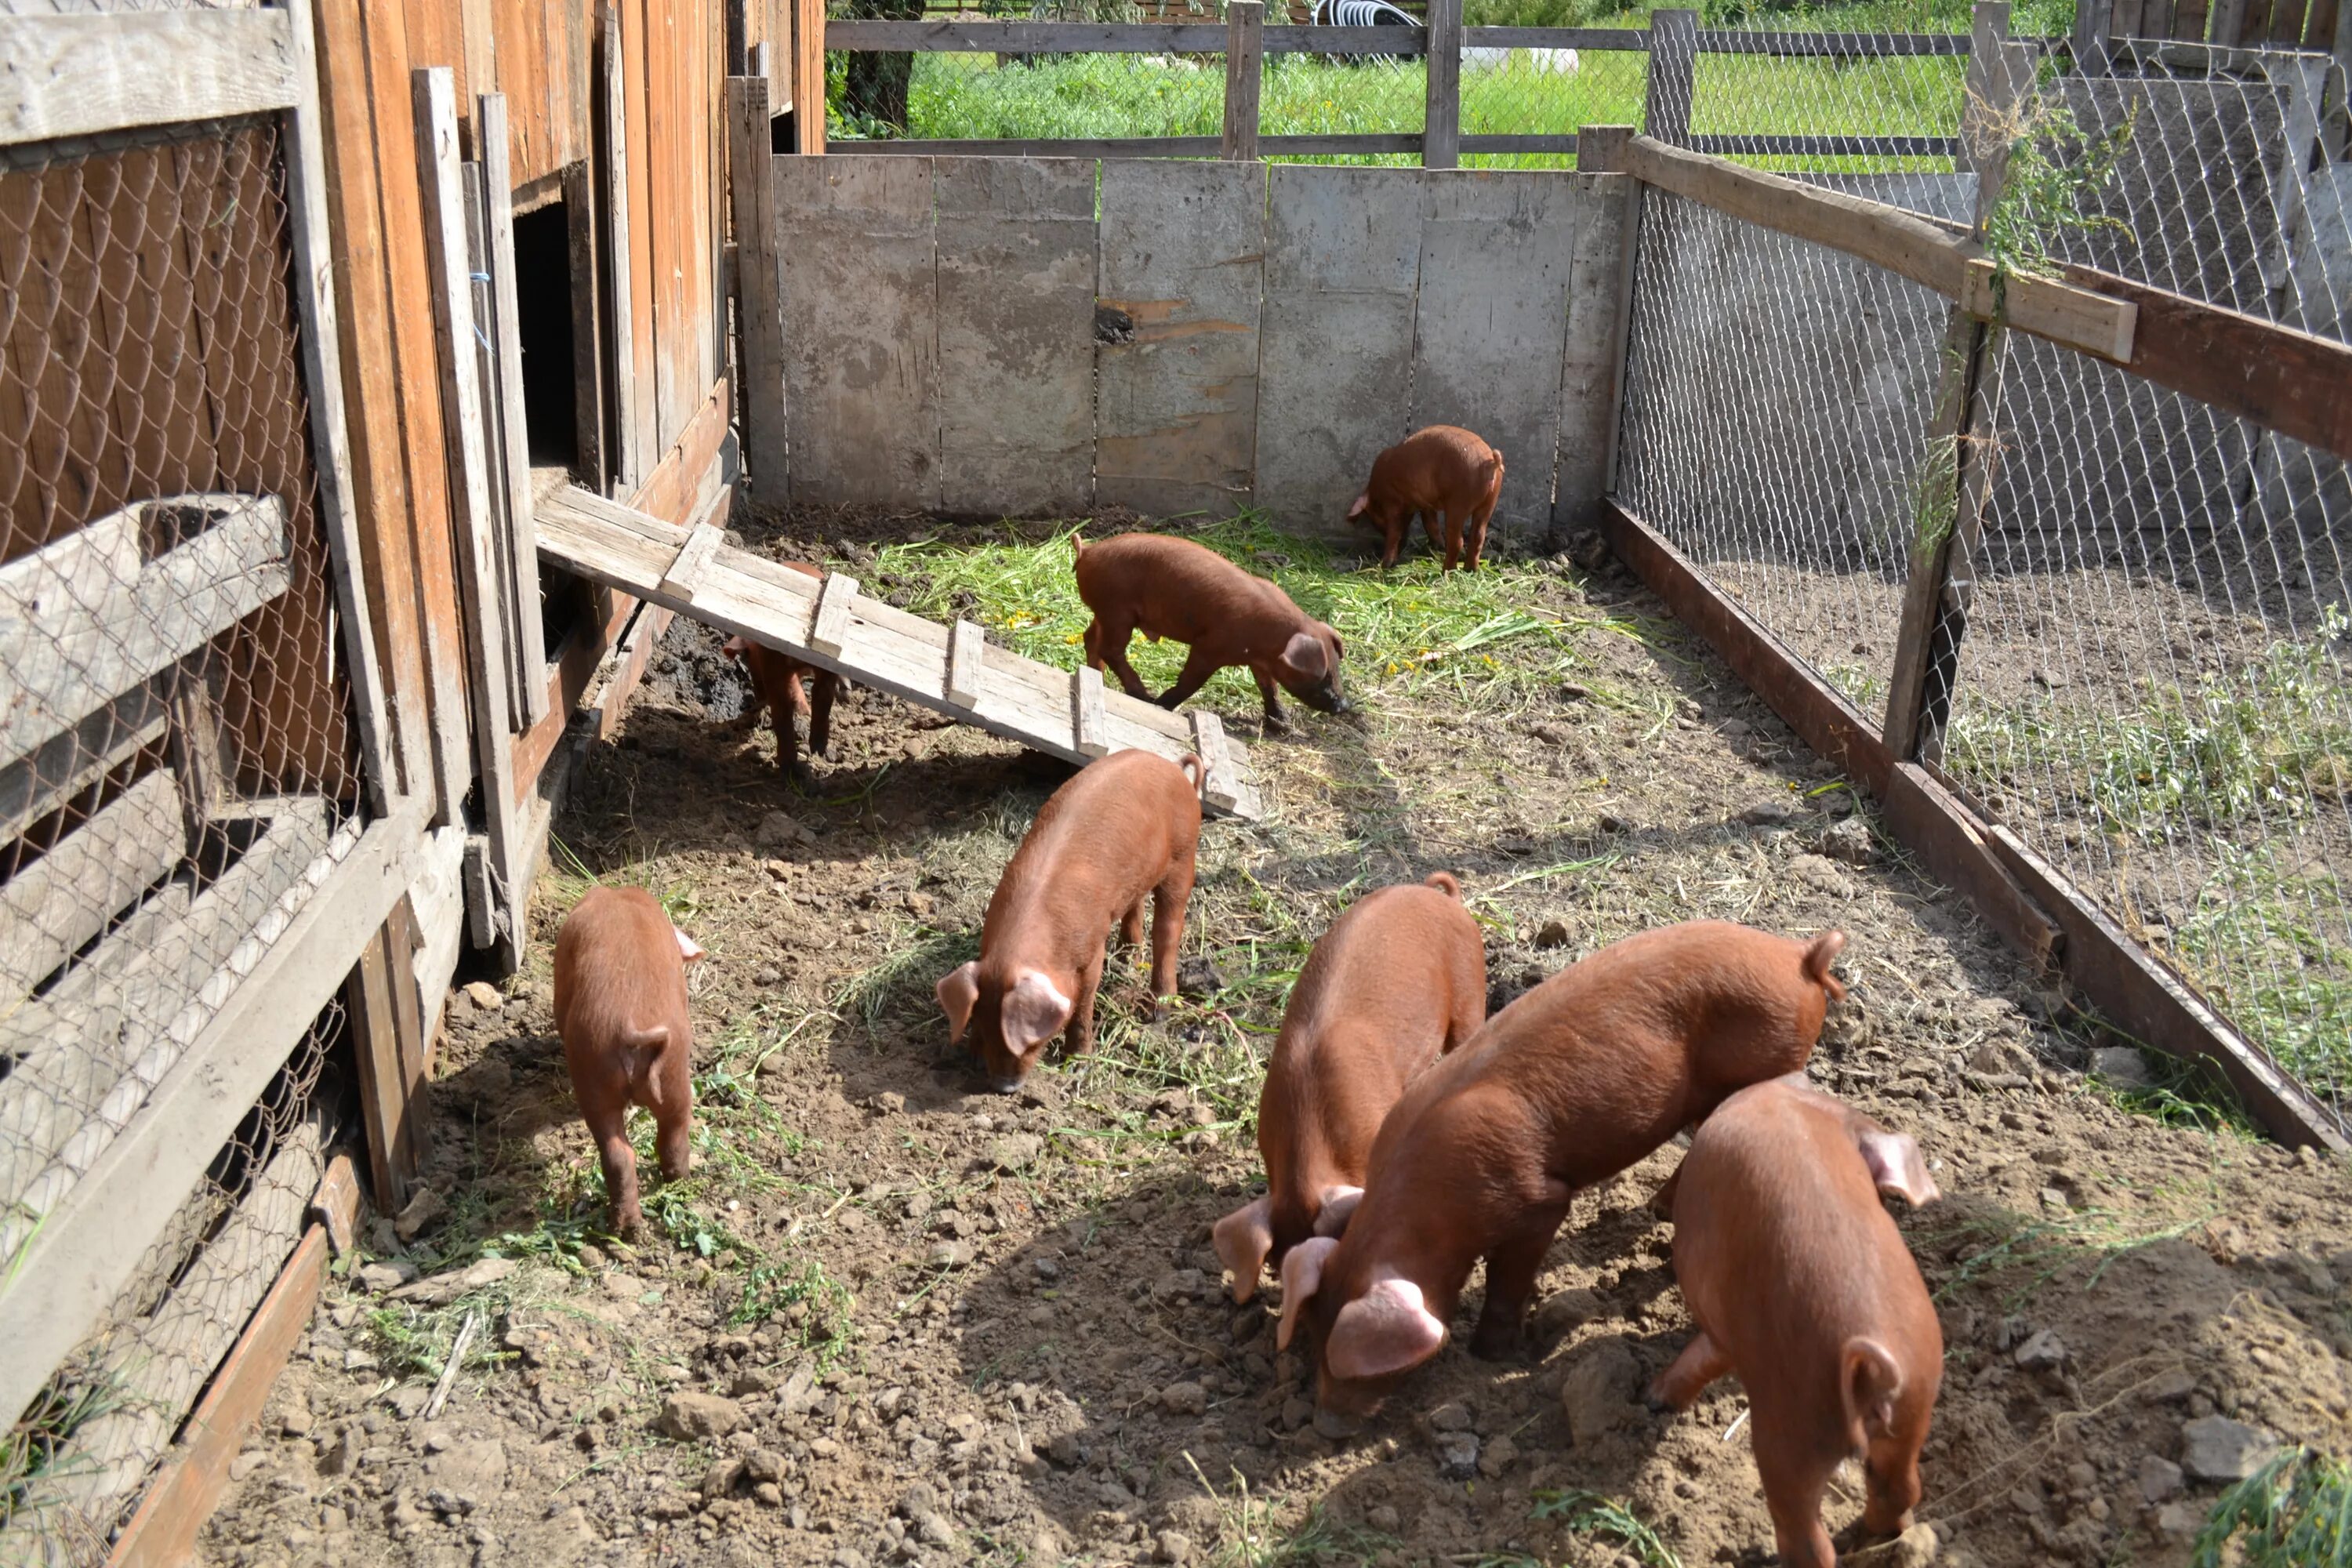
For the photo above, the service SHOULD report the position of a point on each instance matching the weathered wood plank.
(684, 569)
(1342, 272)
(1673, 64)
(1219, 786)
(262, 1000)
(1441, 126)
(860, 312)
(518, 544)
(85, 619)
(390, 1055)
(1016, 350)
(1047, 147)
(483, 344)
(77, 75)
(48, 908)
(633, 415)
(829, 628)
(1244, 73)
(761, 321)
(1176, 407)
(1087, 722)
(583, 218)
(1591, 356)
(72, 760)
(1491, 329)
(964, 664)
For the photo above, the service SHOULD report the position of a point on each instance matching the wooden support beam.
(1673, 71)
(758, 281)
(1244, 73)
(702, 541)
(1441, 126)
(964, 645)
(387, 1041)
(631, 448)
(829, 626)
(79, 76)
(519, 539)
(61, 767)
(51, 908)
(1087, 735)
(336, 1203)
(1218, 786)
(1602, 150)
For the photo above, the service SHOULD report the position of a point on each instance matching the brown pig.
(1188, 593)
(781, 687)
(1398, 980)
(1569, 1085)
(1127, 825)
(1443, 473)
(620, 1006)
(1801, 1284)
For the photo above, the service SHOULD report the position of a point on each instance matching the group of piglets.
(1406, 1136)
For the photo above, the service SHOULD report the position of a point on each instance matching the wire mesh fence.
(2150, 688)
(177, 767)
(75, 1465)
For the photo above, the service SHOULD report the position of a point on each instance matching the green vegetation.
(1590, 1513)
(2028, 1253)
(37, 1445)
(2293, 1512)
(1250, 1538)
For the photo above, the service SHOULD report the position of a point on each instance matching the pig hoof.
(1495, 1344)
(1657, 1402)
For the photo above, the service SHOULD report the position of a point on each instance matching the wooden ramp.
(829, 623)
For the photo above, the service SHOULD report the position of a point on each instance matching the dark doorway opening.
(543, 285)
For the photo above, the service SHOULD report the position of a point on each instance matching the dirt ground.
(892, 1318)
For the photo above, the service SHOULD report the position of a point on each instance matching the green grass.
(40, 1442)
(2024, 1253)
(1590, 1513)
(1250, 1538)
(2293, 1512)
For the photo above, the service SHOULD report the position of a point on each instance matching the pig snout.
(997, 1085)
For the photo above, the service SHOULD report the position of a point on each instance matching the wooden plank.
(964, 664)
(1219, 787)
(808, 86)
(390, 1061)
(860, 314)
(497, 460)
(78, 76)
(1604, 153)
(1951, 845)
(591, 423)
(1591, 357)
(1016, 336)
(162, 1532)
(829, 626)
(2150, 1003)
(1183, 248)
(1633, 40)
(2096, 324)
(1490, 333)
(1047, 147)
(517, 542)
(51, 908)
(2089, 43)
(1674, 66)
(84, 619)
(336, 1203)
(1821, 715)
(1244, 74)
(70, 761)
(677, 581)
(1033, 37)
(759, 317)
(70, 1270)
(1086, 711)
(633, 444)
(1342, 273)
(1534, 142)
(1441, 127)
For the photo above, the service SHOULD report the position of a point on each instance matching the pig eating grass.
(1447, 475)
(1801, 1285)
(1398, 980)
(620, 1007)
(1127, 825)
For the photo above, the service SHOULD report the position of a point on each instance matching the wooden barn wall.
(547, 58)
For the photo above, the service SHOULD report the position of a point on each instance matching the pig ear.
(1894, 1163)
(1242, 1239)
(1869, 1381)
(733, 646)
(1034, 1012)
(687, 948)
(1338, 1203)
(1307, 654)
(1363, 504)
(1383, 1332)
(1302, 1270)
(1339, 648)
(959, 991)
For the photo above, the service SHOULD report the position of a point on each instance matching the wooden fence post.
(1601, 149)
(1245, 58)
(1673, 73)
(759, 304)
(2093, 19)
(1962, 444)
(388, 1044)
(1441, 131)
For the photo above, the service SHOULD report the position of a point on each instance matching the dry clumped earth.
(892, 1319)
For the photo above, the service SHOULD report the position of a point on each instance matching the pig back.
(1099, 843)
(1185, 592)
(617, 968)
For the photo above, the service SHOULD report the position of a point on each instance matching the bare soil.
(897, 1319)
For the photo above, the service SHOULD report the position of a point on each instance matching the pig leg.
(1269, 694)
(1392, 532)
(828, 686)
(1511, 1271)
(1701, 1363)
(1454, 521)
(1793, 1485)
(1168, 926)
(1891, 1499)
(1078, 1033)
(1130, 924)
(1107, 644)
(609, 1128)
(1476, 536)
(1199, 665)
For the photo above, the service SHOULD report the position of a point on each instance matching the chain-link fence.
(177, 767)
(75, 1465)
(2150, 688)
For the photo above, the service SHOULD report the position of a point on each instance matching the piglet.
(1127, 825)
(1801, 1284)
(620, 1006)
(1569, 1085)
(1398, 980)
(781, 687)
(1442, 472)
(1187, 592)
